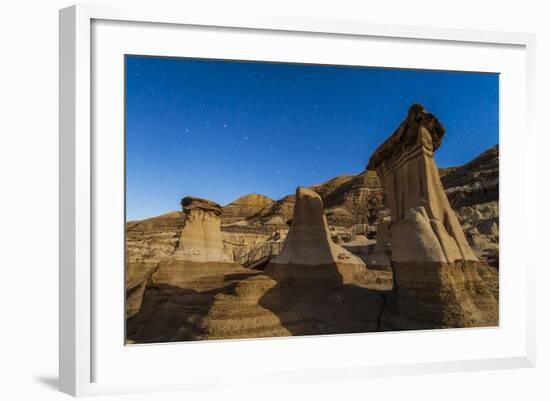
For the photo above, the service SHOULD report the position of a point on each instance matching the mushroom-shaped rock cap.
(407, 134)
(191, 202)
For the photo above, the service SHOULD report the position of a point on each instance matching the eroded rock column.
(309, 255)
(199, 257)
(438, 279)
(201, 237)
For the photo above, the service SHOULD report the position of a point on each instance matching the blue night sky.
(223, 129)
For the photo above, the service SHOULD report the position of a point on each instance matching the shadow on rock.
(171, 313)
(323, 305)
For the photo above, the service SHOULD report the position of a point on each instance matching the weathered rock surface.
(306, 289)
(181, 286)
(174, 311)
(147, 243)
(309, 254)
(348, 199)
(354, 204)
(380, 255)
(424, 227)
(475, 182)
(262, 307)
(201, 236)
(186, 277)
(438, 278)
(433, 295)
(244, 207)
(481, 224)
(178, 249)
(361, 196)
(310, 288)
(282, 208)
(472, 190)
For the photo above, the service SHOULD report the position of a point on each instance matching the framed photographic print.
(242, 190)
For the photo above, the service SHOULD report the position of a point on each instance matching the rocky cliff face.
(282, 208)
(147, 243)
(348, 200)
(475, 182)
(472, 190)
(357, 200)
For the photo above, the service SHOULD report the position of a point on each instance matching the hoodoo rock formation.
(424, 227)
(201, 236)
(439, 282)
(194, 258)
(304, 290)
(309, 254)
(400, 246)
(200, 246)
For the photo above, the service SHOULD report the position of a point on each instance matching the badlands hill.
(244, 207)
(348, 200)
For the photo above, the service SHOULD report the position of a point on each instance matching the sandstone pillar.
(424, 227)
(199, 255)
(309, 256)
(437, 278)
(201, 237)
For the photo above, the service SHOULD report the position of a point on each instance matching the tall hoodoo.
(309, 241)
(438, 280)
(309, 255)
(424, 227)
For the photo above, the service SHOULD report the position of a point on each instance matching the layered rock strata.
(190, 255)
(475, 182)
(439, 281)
(147, 243)
(244, 207)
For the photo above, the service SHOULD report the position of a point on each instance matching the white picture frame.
(77, 368)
